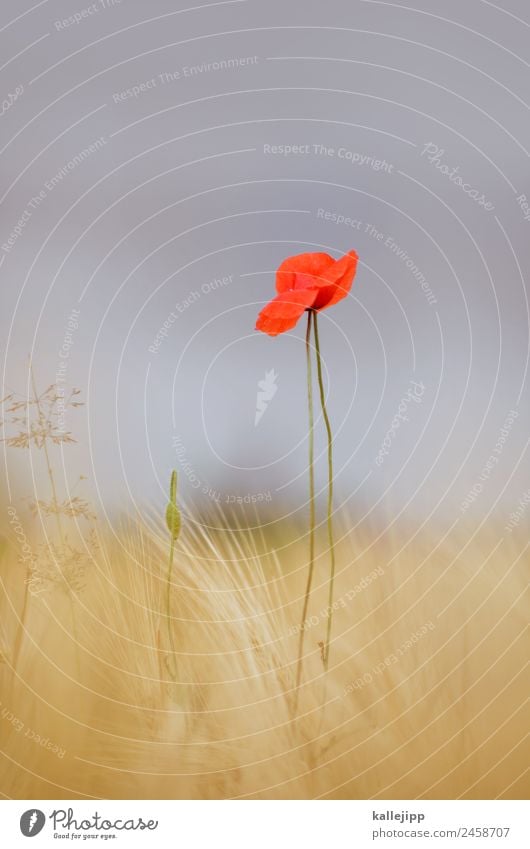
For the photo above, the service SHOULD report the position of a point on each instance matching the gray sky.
(157, 164)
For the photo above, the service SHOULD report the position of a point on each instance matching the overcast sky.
(156, 166)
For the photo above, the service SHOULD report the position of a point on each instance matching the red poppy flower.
(306, 281)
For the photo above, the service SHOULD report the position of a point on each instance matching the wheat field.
(424, 696)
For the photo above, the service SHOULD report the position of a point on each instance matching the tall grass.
(424, 696)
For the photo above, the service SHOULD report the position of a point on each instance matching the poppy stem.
(310, 314)
(330, 494)
(170, 660)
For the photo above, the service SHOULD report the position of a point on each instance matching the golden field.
(424, 697)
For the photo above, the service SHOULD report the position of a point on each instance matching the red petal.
(314, 264)
(283, 312)
(337, 281)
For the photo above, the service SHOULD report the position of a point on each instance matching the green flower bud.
(173, 520)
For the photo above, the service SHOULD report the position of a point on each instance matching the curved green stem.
(330, 493)
(170, 660)
(310, 314)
